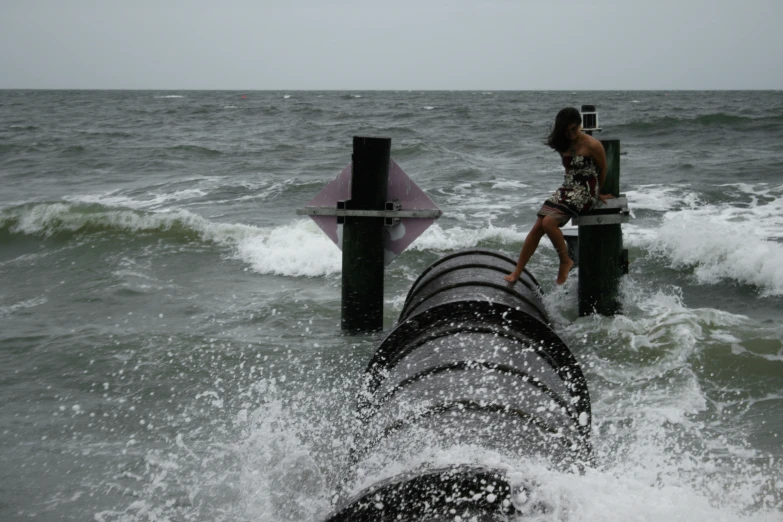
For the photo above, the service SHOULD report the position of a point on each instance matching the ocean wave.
(662, 198)
(721, 118)
(107, 134)
(301, 248)
(195, 149)
(10, 147)
(409, 151)
(22, 305)
(53, 219)
(151, 201)
(198, 111)
(439, 239)
(73, 150)
(718, 119)
(202, 189)
(727, 242)
(505, 184)
(297, 249)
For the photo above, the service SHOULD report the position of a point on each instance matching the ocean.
(170, 345)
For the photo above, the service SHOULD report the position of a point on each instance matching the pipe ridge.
(425, 282)
(504, 288)
(445, 407)
(473, 251)
(471, 364)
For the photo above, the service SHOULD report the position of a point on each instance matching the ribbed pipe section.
(472, 361)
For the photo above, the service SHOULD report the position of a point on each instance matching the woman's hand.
(605, 197)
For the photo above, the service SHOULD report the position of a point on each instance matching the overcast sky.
(397, 44)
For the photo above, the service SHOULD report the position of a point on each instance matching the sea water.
(170, 346)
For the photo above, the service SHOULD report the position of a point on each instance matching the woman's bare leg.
(528, 248)
(555, 235)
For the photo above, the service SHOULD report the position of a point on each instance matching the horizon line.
(383, 90)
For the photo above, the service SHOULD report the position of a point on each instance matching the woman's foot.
(562, 272)
(512, 277)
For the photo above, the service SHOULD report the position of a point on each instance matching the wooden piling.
(601, 250)
(363, 256)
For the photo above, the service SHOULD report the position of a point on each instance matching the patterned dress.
(578, 191)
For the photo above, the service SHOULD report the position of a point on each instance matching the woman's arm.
(599, 155)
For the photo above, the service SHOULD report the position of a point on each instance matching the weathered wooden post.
(601, 245)
(363, 259)
(602, 259)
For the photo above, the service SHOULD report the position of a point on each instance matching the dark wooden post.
(363, 257)
(601, 250)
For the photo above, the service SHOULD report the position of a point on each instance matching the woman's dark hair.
(557, 138)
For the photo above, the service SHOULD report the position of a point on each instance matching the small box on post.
(590, 119)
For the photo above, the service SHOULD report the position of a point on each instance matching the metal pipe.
(472, 361)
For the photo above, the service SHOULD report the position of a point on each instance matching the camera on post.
(590, 119)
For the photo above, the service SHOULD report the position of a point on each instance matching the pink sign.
(396, 238)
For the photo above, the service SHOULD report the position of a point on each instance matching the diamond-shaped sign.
(397, 237)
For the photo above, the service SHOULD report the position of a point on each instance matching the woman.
(584, 160)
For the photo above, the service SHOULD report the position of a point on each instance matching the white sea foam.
(722, 242)
(439, 239)
(662, 198)
(725, 337)
(428, 107)
(150, 201)
(638, 236)
(656, 324)
(21, 305)
(202, 186)
(509, 184)
(282, 459)
(760, 189)
(739, 241)
(396, 303)
(648, 437)
(298, 249)
(646, 477)
(171, 96)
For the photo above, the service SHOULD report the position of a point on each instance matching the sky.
(394, 45)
